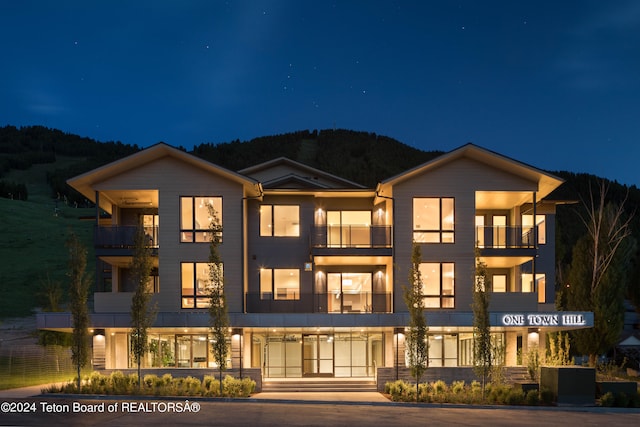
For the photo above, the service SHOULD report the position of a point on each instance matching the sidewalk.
(360, 397)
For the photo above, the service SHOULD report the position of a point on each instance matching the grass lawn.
(32, 241)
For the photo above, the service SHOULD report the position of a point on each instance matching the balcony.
(351, 236)
(122, 236)
(363, 302)
(503, 237)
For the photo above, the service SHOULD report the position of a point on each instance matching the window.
(499, 283)
(280, 284)
(195, 284)
(280, 220)
(527, 229)
(433, 220)
(195, 218)
(349, 292)
(438, 284)
(349, 229)
(153, 283)
(528, 286)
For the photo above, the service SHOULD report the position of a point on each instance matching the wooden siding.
(460, 179)
(173, 179)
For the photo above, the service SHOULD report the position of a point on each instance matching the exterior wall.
(279, 252)
(459, 179)
(173, 179)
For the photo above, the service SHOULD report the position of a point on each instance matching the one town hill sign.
(542, 319)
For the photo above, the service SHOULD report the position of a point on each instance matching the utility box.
(570, 385)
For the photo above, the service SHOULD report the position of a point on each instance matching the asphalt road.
(43, 411)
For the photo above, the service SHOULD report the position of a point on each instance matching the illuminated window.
(438, 284)
(195, 285)
(528, 285)
(195, 217)
(280, 283)
(499, 283)
(527, 229)
(433, 220)
(348, 229)
(280, 220)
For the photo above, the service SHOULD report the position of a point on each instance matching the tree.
(416, 340)
(482, 345)
(78, 295)
(599, 272)
(142, 314)
(218, 315)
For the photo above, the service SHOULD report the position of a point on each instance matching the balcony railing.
(362, 302)
(351, 236)
(122, 236)
(498, 237)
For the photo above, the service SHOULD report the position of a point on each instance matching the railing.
(351, 236)
(497, 237)
(323, 302)
(122, 236)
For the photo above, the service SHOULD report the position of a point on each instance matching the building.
(314, 265)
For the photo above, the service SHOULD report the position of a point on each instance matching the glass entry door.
(317, 355)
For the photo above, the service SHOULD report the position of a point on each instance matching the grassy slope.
(32, 240)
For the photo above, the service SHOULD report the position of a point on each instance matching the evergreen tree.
(142, 314)
(416, 340)
(78, 295)
(218, 308)
(482, 348)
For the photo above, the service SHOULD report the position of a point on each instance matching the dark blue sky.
(552, 83)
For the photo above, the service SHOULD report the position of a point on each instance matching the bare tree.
(608, 226)
(599, 273)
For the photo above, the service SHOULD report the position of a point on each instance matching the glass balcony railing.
(351, 236)
(122, 236)
(323, 302)
(498, 237)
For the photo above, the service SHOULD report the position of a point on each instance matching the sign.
(543, 319)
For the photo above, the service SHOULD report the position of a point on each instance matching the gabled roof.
(302, 172)
(546, 181)
(84, 183)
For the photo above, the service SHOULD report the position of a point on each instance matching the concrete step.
(302, 385)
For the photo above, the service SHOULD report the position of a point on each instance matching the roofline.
(552, 181)
(285, 160)
(84, 182)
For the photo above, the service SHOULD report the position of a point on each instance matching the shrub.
(514, 397)
(440, 387)
(457, 387)
(607, 399)
(622, 400)
(546, 396)
(532, 398)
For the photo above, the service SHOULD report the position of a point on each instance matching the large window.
(433, 220)
(195, 285)
(348, 229)
(195, 217)
(349, 292)
(280, 283)
(438, 284)
(280, 220)
(527, 229)
(539, 286)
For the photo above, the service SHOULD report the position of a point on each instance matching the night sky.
(555, 84)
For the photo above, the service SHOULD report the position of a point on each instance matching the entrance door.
(317, 355)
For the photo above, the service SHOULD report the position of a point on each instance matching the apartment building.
(315, 265)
